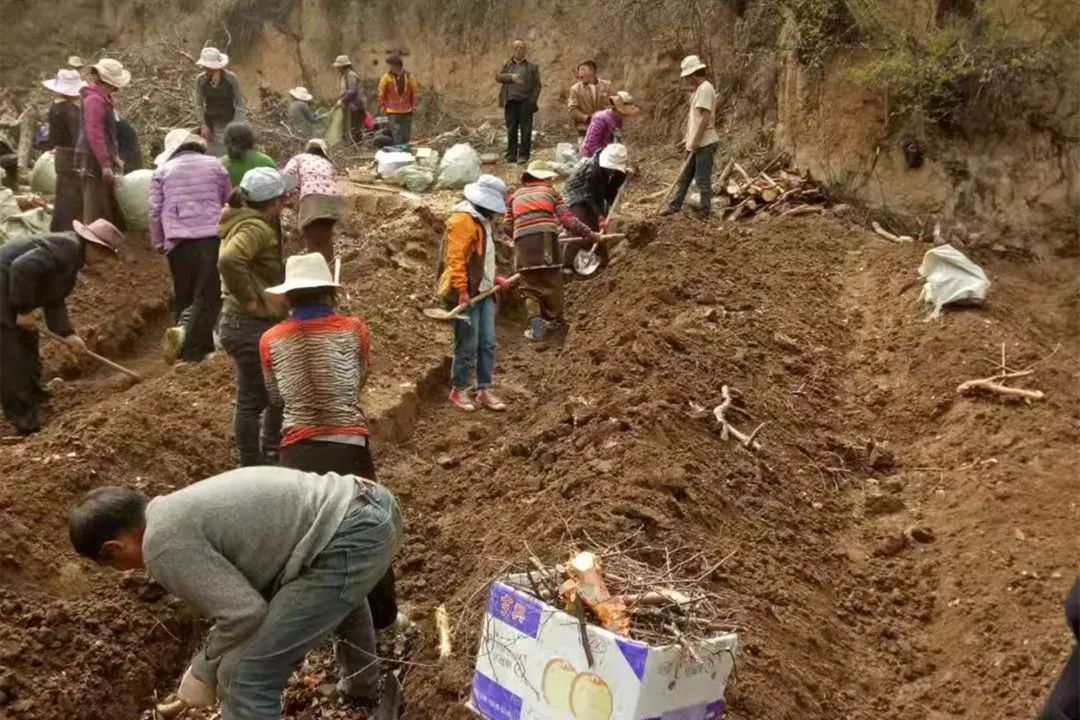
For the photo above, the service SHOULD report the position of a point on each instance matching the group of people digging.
(299, 542)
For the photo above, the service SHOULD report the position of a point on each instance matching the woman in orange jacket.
(467, 267)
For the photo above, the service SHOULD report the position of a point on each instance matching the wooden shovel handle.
(663, 200)
(483, 296)
(612, 236)
(103, 360)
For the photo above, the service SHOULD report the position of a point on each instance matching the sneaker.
(173, 343)
(487, 399)
(669, 210)
(536, 330)
(461, 399)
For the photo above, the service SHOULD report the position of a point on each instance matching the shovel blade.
(440, 314)
(586, 263)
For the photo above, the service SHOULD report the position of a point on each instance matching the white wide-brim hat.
(175, 140)
(76, 62)
(301, 93)
(112, 72)
(488, 192)
(614, 157)
(212, 59)
(67, 82)
(342, 61)
(691, 64)
(541, 170)
(305, 272)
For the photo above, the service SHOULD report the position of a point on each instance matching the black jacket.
(528, 91)
(589, 185)
(40, 272)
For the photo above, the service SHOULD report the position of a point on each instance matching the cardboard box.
(531, 666)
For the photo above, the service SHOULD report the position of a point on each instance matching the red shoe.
(461, 399)
(489, 401)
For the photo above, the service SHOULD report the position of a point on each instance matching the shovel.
(103, 360)
(455, 314)
(587, 263)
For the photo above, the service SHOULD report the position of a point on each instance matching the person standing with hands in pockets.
(701, 140)
(249, 263)
(519, 92)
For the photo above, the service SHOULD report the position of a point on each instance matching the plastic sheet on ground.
(133, 197)
(459, 167)
(951, 279)
(43, 176)
(16, 224)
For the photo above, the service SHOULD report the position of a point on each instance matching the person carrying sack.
(187, 193)
(535, 214)
(97, 152)
(249, 263)
(466, 268)
(279, 559)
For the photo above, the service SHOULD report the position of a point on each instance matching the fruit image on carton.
(531, 666)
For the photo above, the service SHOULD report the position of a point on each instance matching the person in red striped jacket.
(534, 215)
(315, 364)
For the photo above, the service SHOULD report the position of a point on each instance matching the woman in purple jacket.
(606, 125)
(187, 192)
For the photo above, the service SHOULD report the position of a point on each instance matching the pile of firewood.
(770, 193)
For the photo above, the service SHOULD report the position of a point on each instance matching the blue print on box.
(636, 655)
(493, 701)
(515, 608)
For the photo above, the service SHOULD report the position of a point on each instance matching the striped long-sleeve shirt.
(315, 364)
(537, 207)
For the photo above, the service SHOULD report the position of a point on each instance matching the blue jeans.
(256, 422)
(474, 346)
(329, 596)
(699, 170)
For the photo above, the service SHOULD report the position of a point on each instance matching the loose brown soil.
(812, 320)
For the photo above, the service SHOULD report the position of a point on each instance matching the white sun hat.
(614, 157)
(488, 192)
(301, 93)
(174, 140)
(212, 59)
(541, 170)
(67, 82)
(342, 61)
(691, 64)
(75, 61)
(305, 272)
(262, 183)
(112, 72)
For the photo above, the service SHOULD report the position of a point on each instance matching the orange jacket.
(389, 99)
(461, 261)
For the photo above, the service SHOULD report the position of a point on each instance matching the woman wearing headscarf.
(64, 123)
(249, 263)
(321, 203)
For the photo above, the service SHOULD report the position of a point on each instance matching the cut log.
(802, 210)
(727, 171)
(770, 194)
(733, 189)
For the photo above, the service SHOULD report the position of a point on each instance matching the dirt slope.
(813, 321)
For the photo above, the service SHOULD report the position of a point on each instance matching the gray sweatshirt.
(227, 544)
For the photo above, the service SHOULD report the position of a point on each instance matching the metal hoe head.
(440, 314)
(586, 262)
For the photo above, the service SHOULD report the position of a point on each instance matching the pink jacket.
(186, 197)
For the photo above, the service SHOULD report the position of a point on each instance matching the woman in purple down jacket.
(187, 193)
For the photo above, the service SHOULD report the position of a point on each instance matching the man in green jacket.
(249, 262)
(279, 558)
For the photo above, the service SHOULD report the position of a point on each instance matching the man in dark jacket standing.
(40, 272)
(518, 95)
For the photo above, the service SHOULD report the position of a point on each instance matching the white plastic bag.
(388, 162)
(459, 167)
(133, 197)
(43, 176)
(951, 278)
(565, 154)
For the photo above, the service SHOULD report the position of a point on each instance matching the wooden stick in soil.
(889, 236)
(991, 384)
(748, 441)
(442, 624)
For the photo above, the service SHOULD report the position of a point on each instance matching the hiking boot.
(172, 344)
(486, 399)
(669, 210)
(461, 399)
